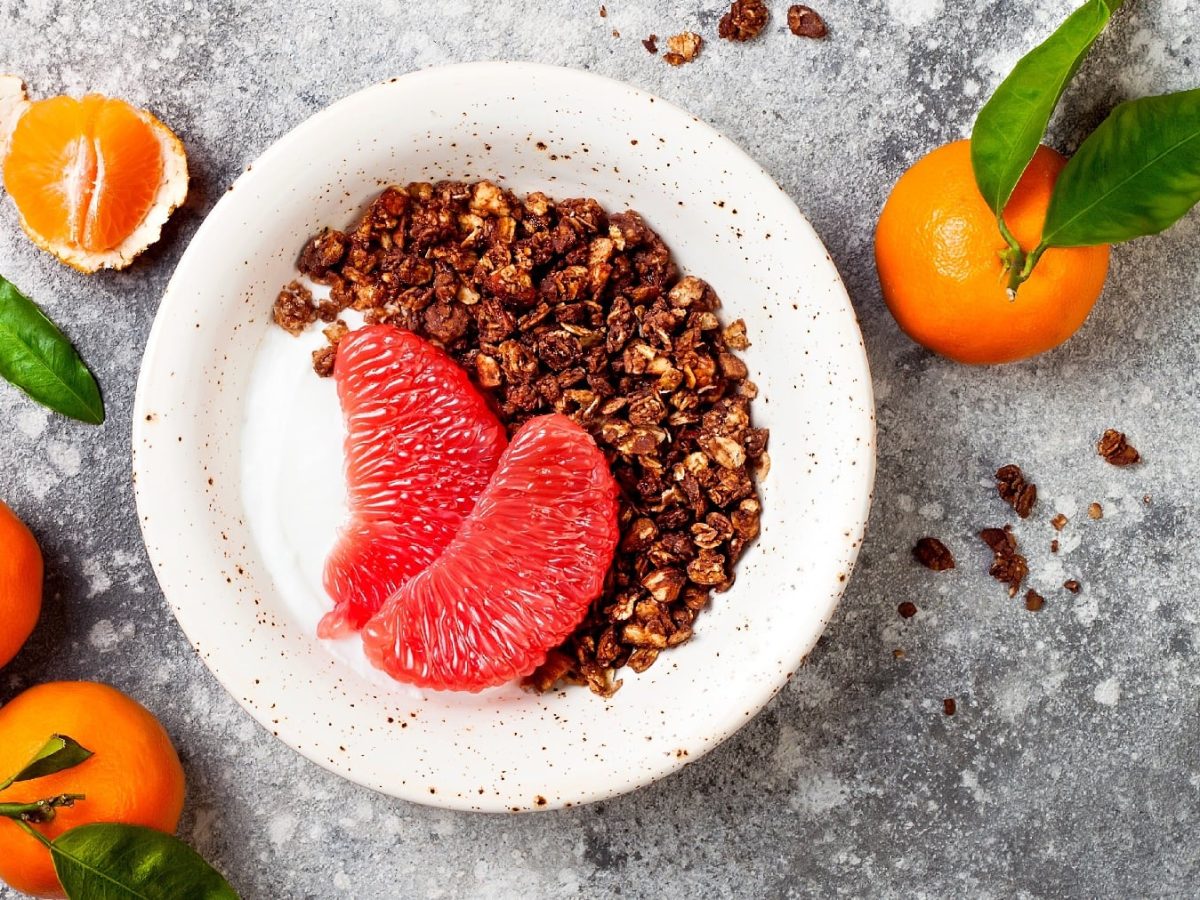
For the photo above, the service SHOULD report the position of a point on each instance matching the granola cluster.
(933, 554)
(683, 48)
(558, 306)
(1008, 566)
(804, 21)
(1014, 490)
(744, 21)
(1116, 449)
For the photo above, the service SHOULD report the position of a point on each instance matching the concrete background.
(1072, 768)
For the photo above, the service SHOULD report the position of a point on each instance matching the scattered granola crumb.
(1146, 499)
(933, 554)
(1033, 600)
(557, 667)
(651, 43)
(1008, 566)
(1059, 522)
(1054, 545)
(1095, 511)
(603, 11)
(1116, 449)
(997, 539)
(1015, 490)
(683, 48)
(616, 33)
(322, 252)
(1073, 585)
(805, 22)
(336, 332)
(294, 310)
(323, 360)
(744, 21)
(898, 653)
(949, 706)
(907, 609)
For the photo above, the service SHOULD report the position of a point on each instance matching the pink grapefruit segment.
(421, 445)
(520, 574)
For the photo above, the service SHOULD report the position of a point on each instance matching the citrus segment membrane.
(13, 103)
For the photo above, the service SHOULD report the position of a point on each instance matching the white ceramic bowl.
(228, 413)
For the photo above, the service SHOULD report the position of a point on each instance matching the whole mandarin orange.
(134, 776)
(938, 250)
(20, 584)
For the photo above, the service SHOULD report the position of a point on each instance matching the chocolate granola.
(1014, 490)
(1008, 566)
(804, 21)
(561, 307)
(933, 554)
(744, 21)
(683, 48)
(294, 310)
(1116, 449)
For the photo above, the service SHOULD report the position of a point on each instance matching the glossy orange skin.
(937, 249)
(134, 777)
(20, 584)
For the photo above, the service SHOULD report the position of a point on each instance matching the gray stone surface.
(1072, 767)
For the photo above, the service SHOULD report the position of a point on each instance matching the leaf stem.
(1022, 267)
(33, 832)
(1009, 237)
(1017, 263)
(1013, 259)
(1033, 259)
(38, 810)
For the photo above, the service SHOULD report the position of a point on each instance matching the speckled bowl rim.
(175, 580)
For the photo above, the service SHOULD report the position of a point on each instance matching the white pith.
(13, 103)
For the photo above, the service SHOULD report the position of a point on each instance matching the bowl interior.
(237, 442)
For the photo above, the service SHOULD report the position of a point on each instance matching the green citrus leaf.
(58, 753)
(1012, 123)
(36, 357)
(129, 862)
(1137, 174)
